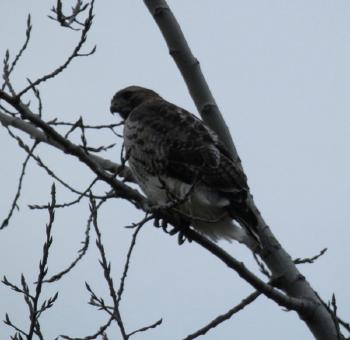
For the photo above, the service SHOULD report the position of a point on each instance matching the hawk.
(180, 163)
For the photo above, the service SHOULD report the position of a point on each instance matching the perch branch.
(190, 69)
(320, 322)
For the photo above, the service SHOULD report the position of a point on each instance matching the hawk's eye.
(127, 95)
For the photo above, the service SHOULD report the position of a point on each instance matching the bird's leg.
(172, 218)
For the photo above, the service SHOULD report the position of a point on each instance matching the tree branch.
(40, 136)
(221, 318)
(320, 322)
(299, 304)
(74, 54)
(19, 188)
(310, 259)
(190, 69)
(120, 188)
(107, 271)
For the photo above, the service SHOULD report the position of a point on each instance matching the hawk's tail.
(215, 216)
(226, 229)
(244, 215)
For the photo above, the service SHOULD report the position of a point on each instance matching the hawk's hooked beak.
(121, 108)
(114, 108)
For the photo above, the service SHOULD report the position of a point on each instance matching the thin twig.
(221, 318)
(334, 309)
(19, 187)
(9, 323)
(101, 331)
(98, 301)
(30, 153)
(67, 20)
(22, 49)
(81, 252)
(6, 282)
(55, 122)
(32, 301)
(6, 73)
(107, 270)
(146, 328)
(84, 194)
(344, 324)
(38, 97)
(75, 53)
(128, 257)
(261, 266)
(310, 259)
(35, 310)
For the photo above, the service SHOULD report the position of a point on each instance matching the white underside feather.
(205, 208)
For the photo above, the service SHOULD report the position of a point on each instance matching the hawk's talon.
(164, 225)
(156, 222)
(182, 238)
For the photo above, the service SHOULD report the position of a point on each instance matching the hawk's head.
(125, 100)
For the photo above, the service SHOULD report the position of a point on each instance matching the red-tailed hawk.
(179, 162)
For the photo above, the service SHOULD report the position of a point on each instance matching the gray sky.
(281, 76)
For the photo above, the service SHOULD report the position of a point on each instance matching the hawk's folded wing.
(199, 155)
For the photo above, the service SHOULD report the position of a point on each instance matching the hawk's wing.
(183, 147)
(196, 153)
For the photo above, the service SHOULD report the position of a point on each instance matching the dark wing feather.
(198, 154)
(189, 149)
(199, 163)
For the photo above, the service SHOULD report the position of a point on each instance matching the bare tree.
(284, 284)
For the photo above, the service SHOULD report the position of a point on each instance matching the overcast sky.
(280, 73)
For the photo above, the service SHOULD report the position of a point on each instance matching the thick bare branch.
(300, 305)
(281, 265)
(190, 69)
